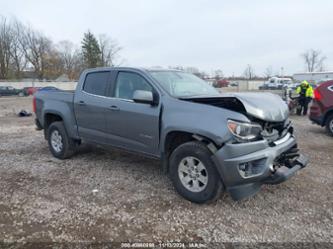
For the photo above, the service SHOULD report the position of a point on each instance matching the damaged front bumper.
(244, 167)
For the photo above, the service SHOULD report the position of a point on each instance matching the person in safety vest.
(305, 92)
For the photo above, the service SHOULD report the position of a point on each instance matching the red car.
(30, 90)
(321, 110)
(221, 83)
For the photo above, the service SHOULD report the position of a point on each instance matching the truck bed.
(61, 96)
(50, 99)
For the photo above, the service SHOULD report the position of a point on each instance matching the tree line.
(313, 59)
(23, 48)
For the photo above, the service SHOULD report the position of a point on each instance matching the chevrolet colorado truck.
(208, 142)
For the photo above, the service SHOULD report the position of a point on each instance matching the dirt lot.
(116, 196)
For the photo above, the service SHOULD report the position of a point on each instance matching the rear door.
(90, 106)
(131, 125)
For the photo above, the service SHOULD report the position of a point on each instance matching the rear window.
(96, 83)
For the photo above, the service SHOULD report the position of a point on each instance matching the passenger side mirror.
(144, 97)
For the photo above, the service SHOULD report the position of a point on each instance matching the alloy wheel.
(193, 174)
(56, 141)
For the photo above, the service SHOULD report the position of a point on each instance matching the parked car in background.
(234, 83)
(276, 83)
(206, 141)
(265, 86)
(321, 110)
(48, 88)
(293, 86)
(221, 83)
(29, 90)
(10, 91)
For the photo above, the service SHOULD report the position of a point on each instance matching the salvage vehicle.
(10, 91)
(207, 142)
(321, 109)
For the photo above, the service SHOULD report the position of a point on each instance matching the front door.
(131, 125)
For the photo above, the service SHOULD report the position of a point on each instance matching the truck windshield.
(181, 84)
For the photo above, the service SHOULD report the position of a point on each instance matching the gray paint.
(144, 128)
(265, 106)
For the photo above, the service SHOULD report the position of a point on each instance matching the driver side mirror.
(144, 97)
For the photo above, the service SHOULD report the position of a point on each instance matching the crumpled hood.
(266, 106)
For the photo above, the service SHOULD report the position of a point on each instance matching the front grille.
(273, 131)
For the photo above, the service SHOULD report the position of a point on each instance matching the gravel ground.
(103, 195)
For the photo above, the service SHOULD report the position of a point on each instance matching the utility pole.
(282, 73)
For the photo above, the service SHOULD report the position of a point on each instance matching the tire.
(201, 186)
(329, 124)
(60, 145)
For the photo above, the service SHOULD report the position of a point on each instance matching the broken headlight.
(244, 132)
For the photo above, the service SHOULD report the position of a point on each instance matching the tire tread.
(198, 149)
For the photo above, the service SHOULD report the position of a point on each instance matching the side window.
(127, 83)
(96, 83)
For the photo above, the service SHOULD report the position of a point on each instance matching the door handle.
(81, 102)
(114, 108)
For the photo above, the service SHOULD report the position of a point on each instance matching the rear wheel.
(61, 146)
(194, 174)
(329, 124)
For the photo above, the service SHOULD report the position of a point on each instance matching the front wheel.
(194, 174)
(61, 146)
(329, 124)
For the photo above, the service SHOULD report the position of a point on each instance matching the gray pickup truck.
(208, 142)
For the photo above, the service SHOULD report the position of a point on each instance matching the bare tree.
(109, 51)
(53, 66)
(314, 60)
(19, 61)
(322, 67)
(249, 72)
(268, 72)
(37, 50)
(71, 59)
(5, 43)
(22, 47)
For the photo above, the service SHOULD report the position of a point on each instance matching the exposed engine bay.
(266, 109)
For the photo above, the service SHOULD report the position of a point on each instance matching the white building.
(313, 77)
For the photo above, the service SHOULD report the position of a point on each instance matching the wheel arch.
(175, 138)
(327, 114)
(49, 118)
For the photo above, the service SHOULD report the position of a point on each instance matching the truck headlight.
(244, 132)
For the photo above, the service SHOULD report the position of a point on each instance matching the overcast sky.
(209, 35)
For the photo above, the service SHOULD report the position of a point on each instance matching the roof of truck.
(132, 68)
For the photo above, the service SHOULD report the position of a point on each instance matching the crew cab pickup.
(208, 142)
